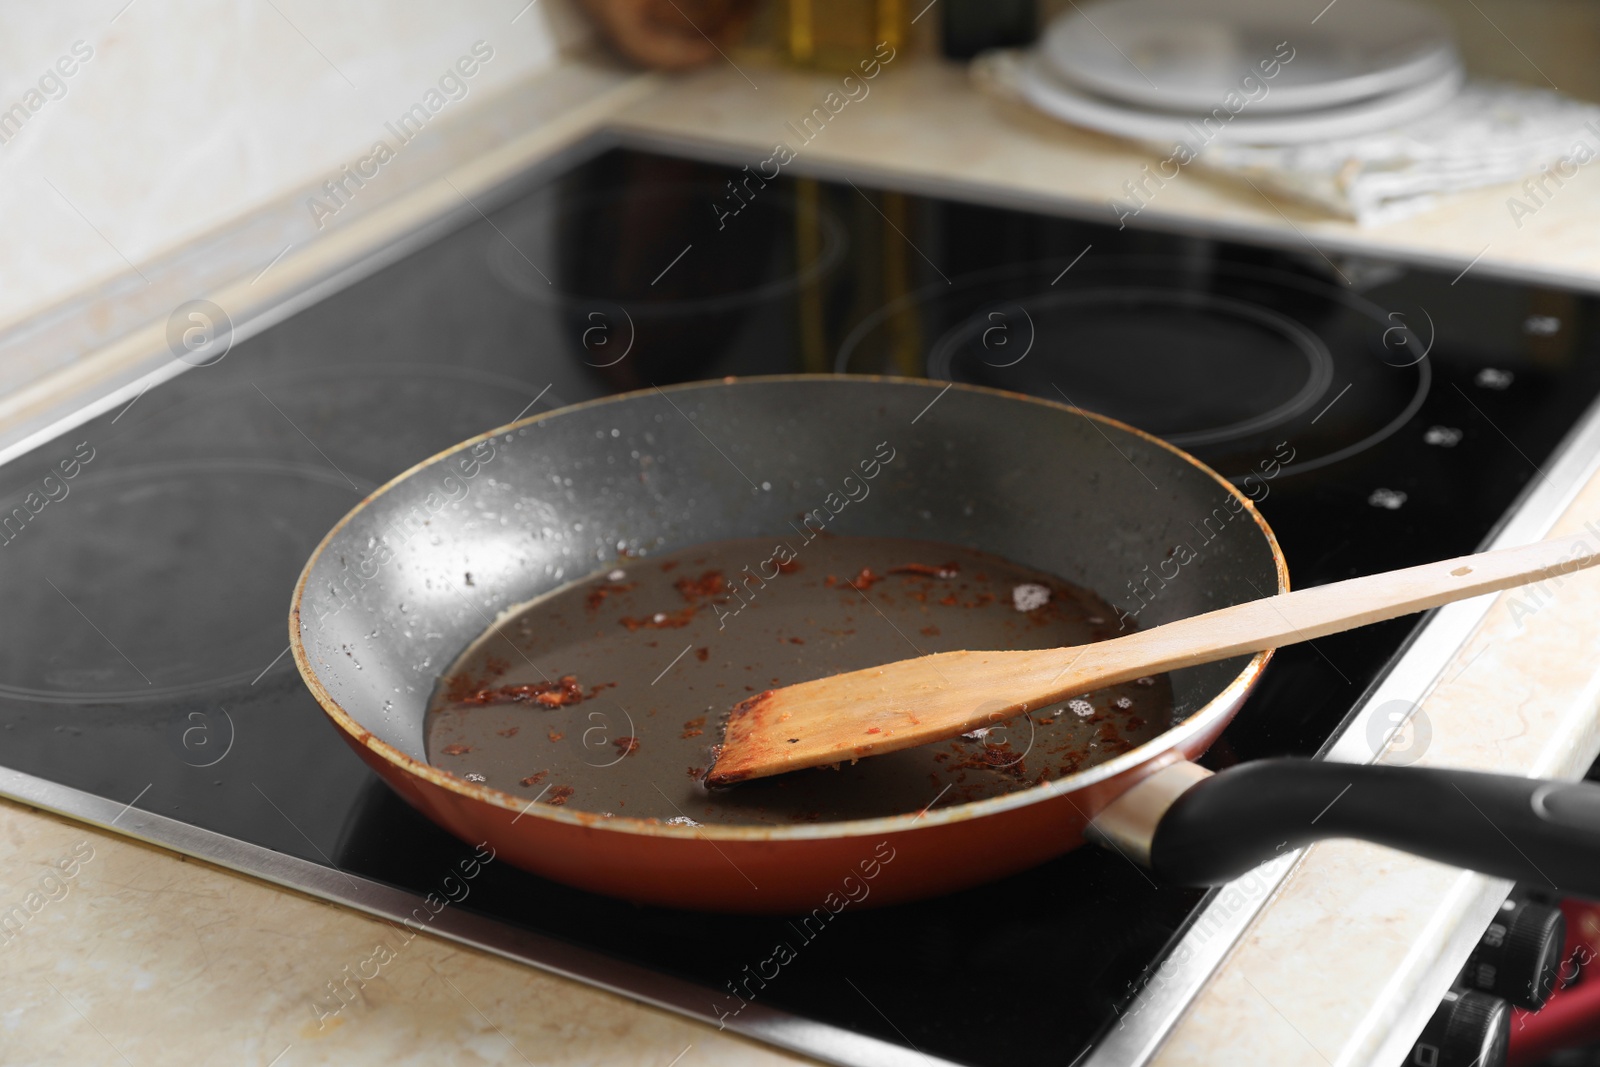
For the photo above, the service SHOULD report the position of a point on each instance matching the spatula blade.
(881, 709)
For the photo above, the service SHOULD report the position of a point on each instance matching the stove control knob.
(1519, 956)
(1469, 1029)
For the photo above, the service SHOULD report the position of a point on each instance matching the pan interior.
(609, 694)
(413, 576)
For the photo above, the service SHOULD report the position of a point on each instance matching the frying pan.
(386, 604)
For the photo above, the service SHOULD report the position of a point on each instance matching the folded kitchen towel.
(1488, 133)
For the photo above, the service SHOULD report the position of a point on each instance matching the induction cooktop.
(1382, 414)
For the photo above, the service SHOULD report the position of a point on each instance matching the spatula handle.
(1307, 614)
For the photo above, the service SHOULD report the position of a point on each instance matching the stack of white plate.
(1243, 71)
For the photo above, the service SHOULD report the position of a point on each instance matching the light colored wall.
(190, 114)
(1544, 43)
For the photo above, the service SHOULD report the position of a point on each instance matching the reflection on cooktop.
(418, 409)
(655, 280)
(1225, 363)
(184, 562)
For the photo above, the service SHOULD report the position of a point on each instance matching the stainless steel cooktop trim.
(1214, 930)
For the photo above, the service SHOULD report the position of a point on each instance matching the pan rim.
(1149, 753)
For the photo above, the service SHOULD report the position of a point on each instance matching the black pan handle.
(1529, 829)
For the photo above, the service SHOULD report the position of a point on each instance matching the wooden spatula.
(915, 701)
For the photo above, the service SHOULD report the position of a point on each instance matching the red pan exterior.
(920, 859)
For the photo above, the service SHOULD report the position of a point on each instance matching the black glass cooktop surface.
(1382, 415)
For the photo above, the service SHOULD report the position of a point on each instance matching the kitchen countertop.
(148, 951)
(144, 956)
(924, 126)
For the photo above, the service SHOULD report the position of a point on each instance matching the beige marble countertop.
(148, 952)
(143, 956)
